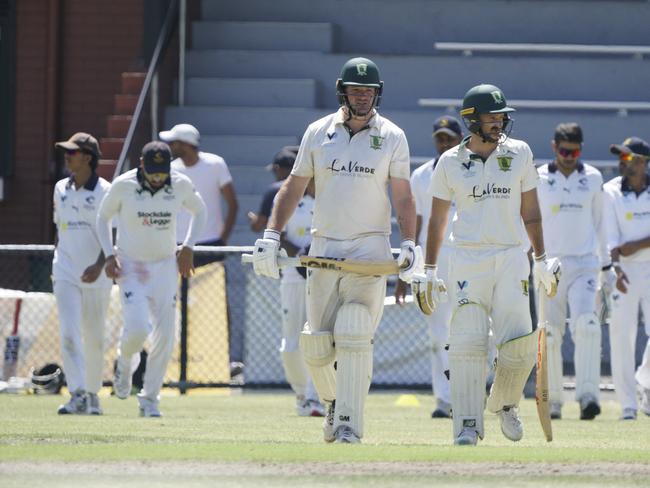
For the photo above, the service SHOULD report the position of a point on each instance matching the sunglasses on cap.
(627, 157)
(569, 153)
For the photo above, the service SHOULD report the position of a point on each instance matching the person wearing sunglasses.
(571, 199)
(627, 211)
(81, 290)
(145, 264)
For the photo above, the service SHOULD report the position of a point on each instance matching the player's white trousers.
(362, 300)
(148, 294)
(82, 319)
(623, 327)
(438, 323)
(577, 290)
(294, 316)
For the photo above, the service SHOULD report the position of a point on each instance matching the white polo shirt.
(298, 232)
(209, 175)
(351, 175)
(487, 194)
(572, 212)
(627, 216)
(420, 184)
(75, 212)
(147, 222)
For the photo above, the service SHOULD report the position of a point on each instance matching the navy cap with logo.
(157, 157)
(284, 158)
(81, 141)
(447, 125)
(634, 145)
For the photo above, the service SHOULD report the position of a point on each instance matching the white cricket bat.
(541, 379)
(12, 345)
(369, 268)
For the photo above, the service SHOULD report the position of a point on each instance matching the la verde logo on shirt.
(352, 168)
(491, 190)
(157, 219)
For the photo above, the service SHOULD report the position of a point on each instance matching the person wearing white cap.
(212, 181)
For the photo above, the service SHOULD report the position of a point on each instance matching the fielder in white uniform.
(571, 199)
(296, 239)
(145, 264)
(492, 180)
(81, 290)
(447, 133)
(627, 211)
(353, 155)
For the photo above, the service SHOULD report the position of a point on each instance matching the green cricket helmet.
(485, 99)
(359, 72)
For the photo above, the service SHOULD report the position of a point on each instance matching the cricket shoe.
(589, 407)
(644, 400)
(148, 408)
(467, 437)
(442, 411)
(122, 378)
(628, 414)
(328, 423)
(310, 408)
(510, 424)
(76, 405)
(556, 411)
(93, 404)
(345, 435)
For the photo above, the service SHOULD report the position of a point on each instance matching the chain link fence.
(226, 315)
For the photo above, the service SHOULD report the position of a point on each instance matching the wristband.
(274, 235)
(408, 242)
(431, 267)
(539, 258)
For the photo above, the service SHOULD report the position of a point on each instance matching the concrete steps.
(251, 92)
(248, 150)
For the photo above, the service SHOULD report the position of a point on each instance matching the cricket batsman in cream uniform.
(353, 155)
(492, 180)
(571, 200)
(145, 263)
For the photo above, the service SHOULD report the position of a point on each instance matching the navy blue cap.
(284, 158)
(157, 157)
(449, 125)
(634, 145)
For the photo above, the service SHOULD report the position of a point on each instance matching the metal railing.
(468, 48)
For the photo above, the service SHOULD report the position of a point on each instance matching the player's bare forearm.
(532, 217)
(404, 207)
(287, 200)
(233, 207)
(185, 260)
(436, 228)
(632, 247)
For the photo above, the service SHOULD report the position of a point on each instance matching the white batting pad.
(295, 371)
(515, 361)
(318, 351)
(468, 351)
(353, 332)
(554, 360)
(586, 332)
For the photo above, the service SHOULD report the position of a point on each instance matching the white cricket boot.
(556, 411)
(93, 404)
(328, 423)
(148, 408)
(510, 424)
(442, 411)
(345, 435)
(122, 378)
(645, 400)
(76, 405)
(467, 437)
(628, 414)
(589, 407)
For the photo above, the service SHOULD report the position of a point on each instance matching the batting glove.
(409, 260)
(546, 273)
(428, 289)
(265, 255)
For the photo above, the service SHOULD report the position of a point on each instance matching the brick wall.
(62, 91)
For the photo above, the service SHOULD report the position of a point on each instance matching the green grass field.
(230, 438)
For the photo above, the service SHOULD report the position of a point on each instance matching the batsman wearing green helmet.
(353, 155)
(493, 181)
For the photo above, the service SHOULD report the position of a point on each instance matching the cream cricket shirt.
(627, 216)
(298, 233)
(420, 185)
(75, 212)
(572, 212)
(147, 222)
(487, 194)
(352, 174)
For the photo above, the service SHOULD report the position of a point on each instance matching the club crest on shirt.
(376, 142)
(505, 163)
